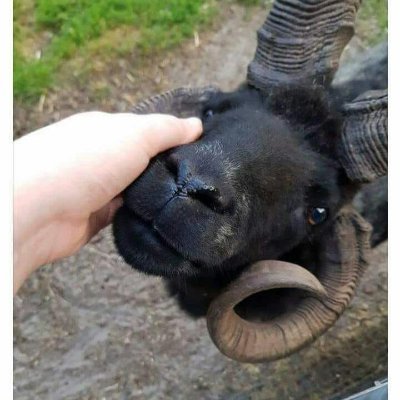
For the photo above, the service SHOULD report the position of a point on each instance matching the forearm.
(33, 210)
(41, 197)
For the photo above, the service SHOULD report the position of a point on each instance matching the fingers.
(160, 132)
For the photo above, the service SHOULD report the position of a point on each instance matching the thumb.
(160, 132)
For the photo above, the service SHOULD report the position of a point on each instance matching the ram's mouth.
(145, 249)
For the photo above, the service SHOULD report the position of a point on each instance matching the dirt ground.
(90, 327)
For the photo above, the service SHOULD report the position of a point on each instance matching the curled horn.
(364, 142)
(342, 260)
(182, 102)
(301, 42)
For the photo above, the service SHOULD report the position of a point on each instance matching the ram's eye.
(208, 114)
(317, 215)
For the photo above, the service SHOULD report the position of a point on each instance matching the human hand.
(68, 177)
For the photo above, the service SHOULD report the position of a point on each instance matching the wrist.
(28, 234)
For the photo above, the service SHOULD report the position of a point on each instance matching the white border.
(6, 128)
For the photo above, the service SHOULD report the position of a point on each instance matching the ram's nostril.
(208, 195)
(172, 163)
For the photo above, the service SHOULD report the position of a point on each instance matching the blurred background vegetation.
(47, 33)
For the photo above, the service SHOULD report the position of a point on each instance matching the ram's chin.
(142, 248)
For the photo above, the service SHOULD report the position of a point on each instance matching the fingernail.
(195, 123)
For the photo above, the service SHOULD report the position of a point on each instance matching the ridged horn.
(182, 102)
(364, 142)
(301, 42)
(342, 260)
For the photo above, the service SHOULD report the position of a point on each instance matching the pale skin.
(68, 179)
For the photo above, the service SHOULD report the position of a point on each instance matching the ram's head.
(271, 178)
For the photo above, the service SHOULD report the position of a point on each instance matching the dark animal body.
(266, 181)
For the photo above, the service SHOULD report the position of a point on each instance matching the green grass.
(374, 16)
(249, 2)
(74, 24)
(48, 33)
